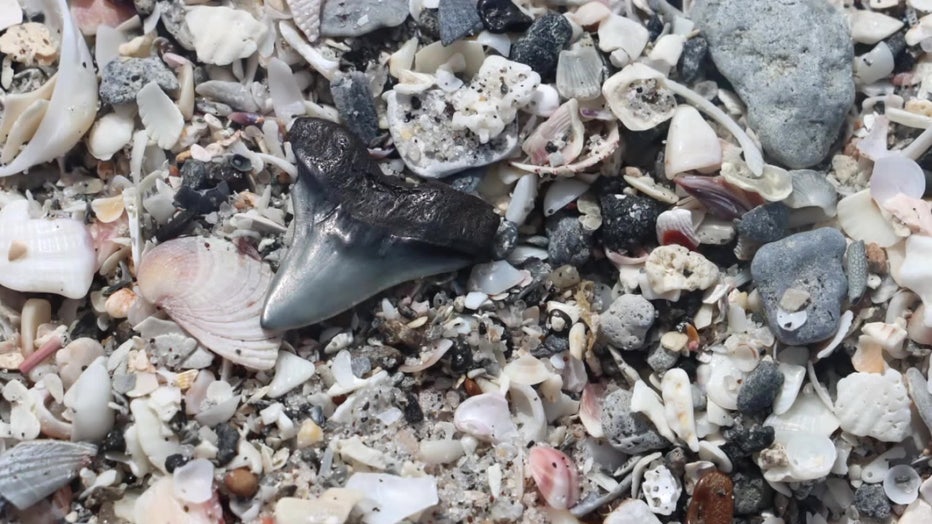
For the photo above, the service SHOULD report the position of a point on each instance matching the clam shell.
(44, 255)
(675, 226)
(35, 469)
(526, 370)
(215, 293)
(580, 72)
(555, 475)
(691, 144)
(874, 405)
(861, 219)
(162, 118)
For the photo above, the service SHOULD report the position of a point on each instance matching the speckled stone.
(625, 430)
(765, 223)
(812, 261)
(791, 63)
(122, 79)
(752, 493)
(695, 51)
(540, 46)
(358, 17)
(503, 16)
(856, 269)
(760, 388)
(661, 359)
(353, 99)
(626, 322)
(458, 18)
(505, 239)
(628, 221)
(569, 241)
(870, 501)
(743, 441)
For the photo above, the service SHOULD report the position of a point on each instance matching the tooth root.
(359, 232)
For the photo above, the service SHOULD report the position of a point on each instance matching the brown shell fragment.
(713, 500)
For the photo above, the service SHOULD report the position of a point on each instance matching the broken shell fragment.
(875, 405)
(861, 219)
(673, 267)
(901, 484)
(675, 226)
(349, 216)
(559, 140)
(580, 71)
(214, 292)
(638, 97)
(678, 406)
(485, 417)
(44, 255)
(223, 34)
(33, 470)
(692, 144)
(555, 475)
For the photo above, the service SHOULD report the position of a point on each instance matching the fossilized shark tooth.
(358, 231)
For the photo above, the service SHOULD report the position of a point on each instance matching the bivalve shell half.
(874, 405)
(692, 144)
(44, 255)
(555, 475)
(214, 292)
(35, 469)
(638, 97)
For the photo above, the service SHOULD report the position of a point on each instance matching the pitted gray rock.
(791, 62)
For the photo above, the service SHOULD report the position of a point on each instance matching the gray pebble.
(505, 239)
(626, 322)
(358, 17)
(458, 18)
(856, 269)
(360, 366)
(354, 101)
(172, 13)
(870, 501)
(760, 388)
(540, 46)
(752, 493)
(791, 63)
(811, 261)
(765, 223)
(625, 430)
(661, 359)
(569, 241)
(233, 94)
(122, 79)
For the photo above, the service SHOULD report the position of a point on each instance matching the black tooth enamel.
(359, 231)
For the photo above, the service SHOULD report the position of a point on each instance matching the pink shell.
(555, 475)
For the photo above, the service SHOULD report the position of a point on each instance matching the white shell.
(526, 370)
(901, 484)
(162, 118)
(639, 98)
(691, 144)
(33, 470)
(223, 34)
(193, 482)
(874, 405)
(894, 174)
(44, 255)
(724, 380)
(306, 15)
(915, 272)
(619, 32)
(290, 372)
(631, 511)
(110, 133)
(580, 71)
(155, 439)
(522, 199)
(870, 27)
(390, 499)
(661, 490)
(562, 192)
(807, 414)
(678, 405)
(646, 401)
(485, 417)
(860, 218)
(215, 293)
(495, 277)
(89, 399)
(73, 104)
(800, 456)
(793, 376)
(874, 65)
(159, 504)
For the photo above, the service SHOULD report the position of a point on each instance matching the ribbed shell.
(580, 72)
(215, 293)
(306, 15)
(35, 469)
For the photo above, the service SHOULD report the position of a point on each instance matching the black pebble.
(569, 243)
(412, 410)
(540, 46)
(743, 441)
(227, 443)
(354, 101)
(114, 441)
(654, 26)
(760, 388)
(752, 494)
(505, 239)
(172, 462)
(429, 24)
(552, 345)
(765, 223)
(461, 358)
(628, 221)
(689, 67)
(503, 16)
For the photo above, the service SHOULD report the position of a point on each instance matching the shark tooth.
(358, 231)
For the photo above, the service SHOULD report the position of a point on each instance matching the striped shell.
(215, 293)
(33, 470)
(306, 15)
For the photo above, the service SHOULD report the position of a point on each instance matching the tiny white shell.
(522, 199)
(110, 133)
(691, 144)
(619, 32)
(901, 484)
(89, 398)
(561, 192)
(678, 406)
(390, 498)
(290, 372)
(870, 27)
(639, 98)
(485, 417)
(526, 370)
(193, 482)
(495, 277)
(555, 475)
(223, 34)
(162, 118)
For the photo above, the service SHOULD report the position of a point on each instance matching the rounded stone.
(626, 322)
(625, 430)
(628, 221)
(870, 501)
(752, 494)
(760, 388)
(540, 46)
(569, 241)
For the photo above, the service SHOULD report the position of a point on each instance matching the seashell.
(580, 71)
(23, 129)
(389, 498)
(901, 484)
(44, 255)
(561, 193)
(874, 65)
(485, 417)
(914, 272)
(159, 503)
(33, 470)
(723, 381)
(874, 405)
(440, 451)
(432, 56)
(427, 359)
(596, 149)
(874, 471)
(774, 184)
(215, 293)
(526, 370)
(75, 357)
(287, 100)
(673, 267)
(162, 118)
(646, 401)
(666, 52)
(530, 417)
(916, 513)
(870, 27)
(334, 504)
(678, 406)
(651, 188)
(306, 16)
(555, 475)
(323, 65)
(558, 140)
(108, 209)
(637, 95)
(590, 13)
(812, 189)
(661, 490)
(617, 32)
(916, 328)
(692, 144)
(720, 198)
(193, 482)
(290, 372)
(10, 14)
(631, 511)
(494, 277)
(793, 376)
(590, 409)
(73, 101)
(675, 226)
(111, 132)
(797, 456)
(89, 399)
(860, 219)
(808, 413)
(522, 199)
(895, 174)
(225, 34)
(909, 214)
